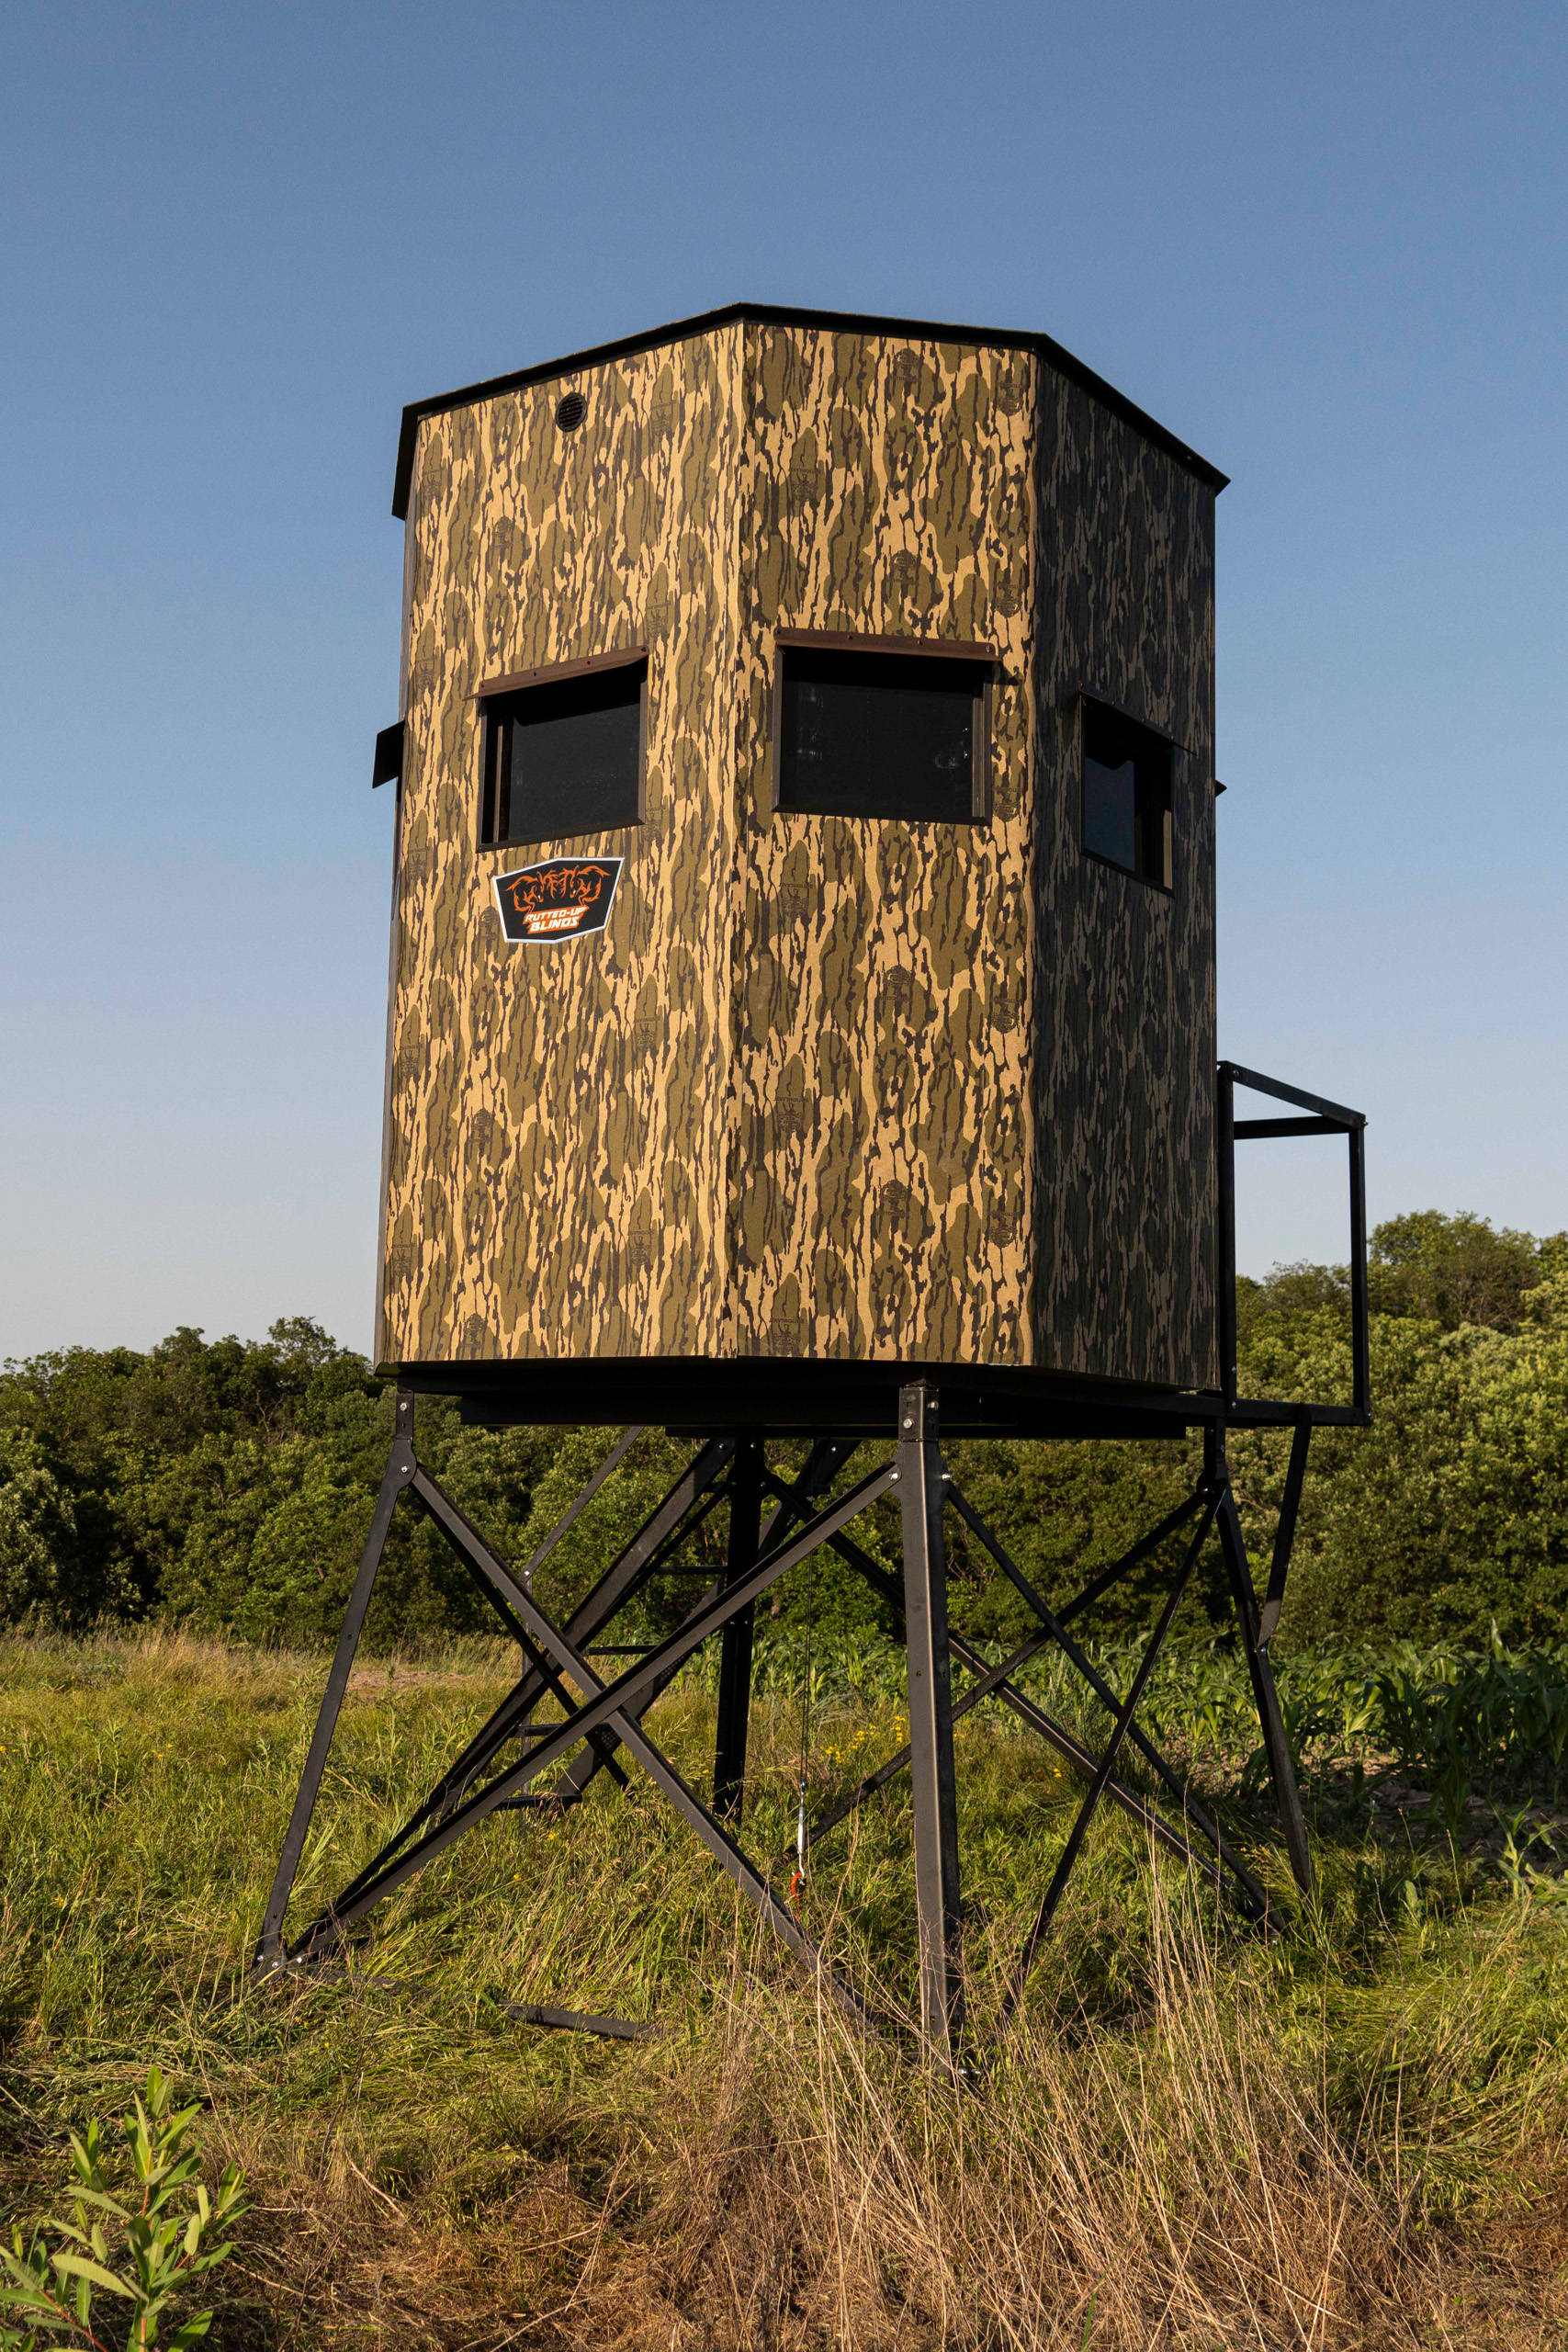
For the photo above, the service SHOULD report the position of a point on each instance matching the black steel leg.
(735, 1664)
(1285, 1532)
(935, 1786)
(610, 1714)
(1277, 1748)
(400, 1471)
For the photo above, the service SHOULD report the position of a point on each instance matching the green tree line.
(227, 1485)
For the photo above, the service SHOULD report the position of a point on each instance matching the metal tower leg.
(1281, 1772)
(735, 1664)
(400, 1471)
(919, 1476)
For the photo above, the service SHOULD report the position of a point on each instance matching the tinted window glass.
(1126, 793)
(565, 757)
(878, 734)
(1110, 803)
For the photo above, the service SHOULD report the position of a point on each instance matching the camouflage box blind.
(737, 1081)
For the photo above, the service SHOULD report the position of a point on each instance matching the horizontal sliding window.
(565, 755)
(881, 733)
(1126, 793)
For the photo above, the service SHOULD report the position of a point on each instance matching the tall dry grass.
(1183, 2179)
(1352, 2138)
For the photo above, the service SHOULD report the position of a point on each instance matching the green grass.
(1351, 2135)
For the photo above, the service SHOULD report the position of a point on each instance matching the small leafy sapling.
(158, 2232)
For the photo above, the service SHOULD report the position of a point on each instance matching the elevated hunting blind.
(803, 1000)
(805, 880)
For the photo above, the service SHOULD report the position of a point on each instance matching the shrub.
(158, 2231)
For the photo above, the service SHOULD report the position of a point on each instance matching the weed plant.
(1350, 2133)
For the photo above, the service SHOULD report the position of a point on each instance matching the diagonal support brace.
(1090, 1805)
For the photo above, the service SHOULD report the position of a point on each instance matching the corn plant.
(158, 2234)
(1458, 1717)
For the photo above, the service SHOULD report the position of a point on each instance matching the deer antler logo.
(561, 898)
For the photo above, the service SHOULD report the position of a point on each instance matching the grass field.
(1352, 2135)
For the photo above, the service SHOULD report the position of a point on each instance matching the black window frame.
(975, 656)
(1153, 740)
(492, 697)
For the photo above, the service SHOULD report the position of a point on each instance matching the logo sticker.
(563, 898)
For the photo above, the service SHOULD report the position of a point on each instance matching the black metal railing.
(1324, 1119)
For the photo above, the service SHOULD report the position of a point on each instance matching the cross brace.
(601, 1717)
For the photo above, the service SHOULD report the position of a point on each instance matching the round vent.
(571, 411)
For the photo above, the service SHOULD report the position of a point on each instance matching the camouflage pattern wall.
(881, 1170)
(823, 1087)
(1124, 1042)
(556, 1142)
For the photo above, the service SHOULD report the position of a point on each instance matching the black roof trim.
(773, 314)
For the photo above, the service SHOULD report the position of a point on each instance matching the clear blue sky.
(1326, 245)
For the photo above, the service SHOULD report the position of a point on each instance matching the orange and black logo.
(564, 898)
